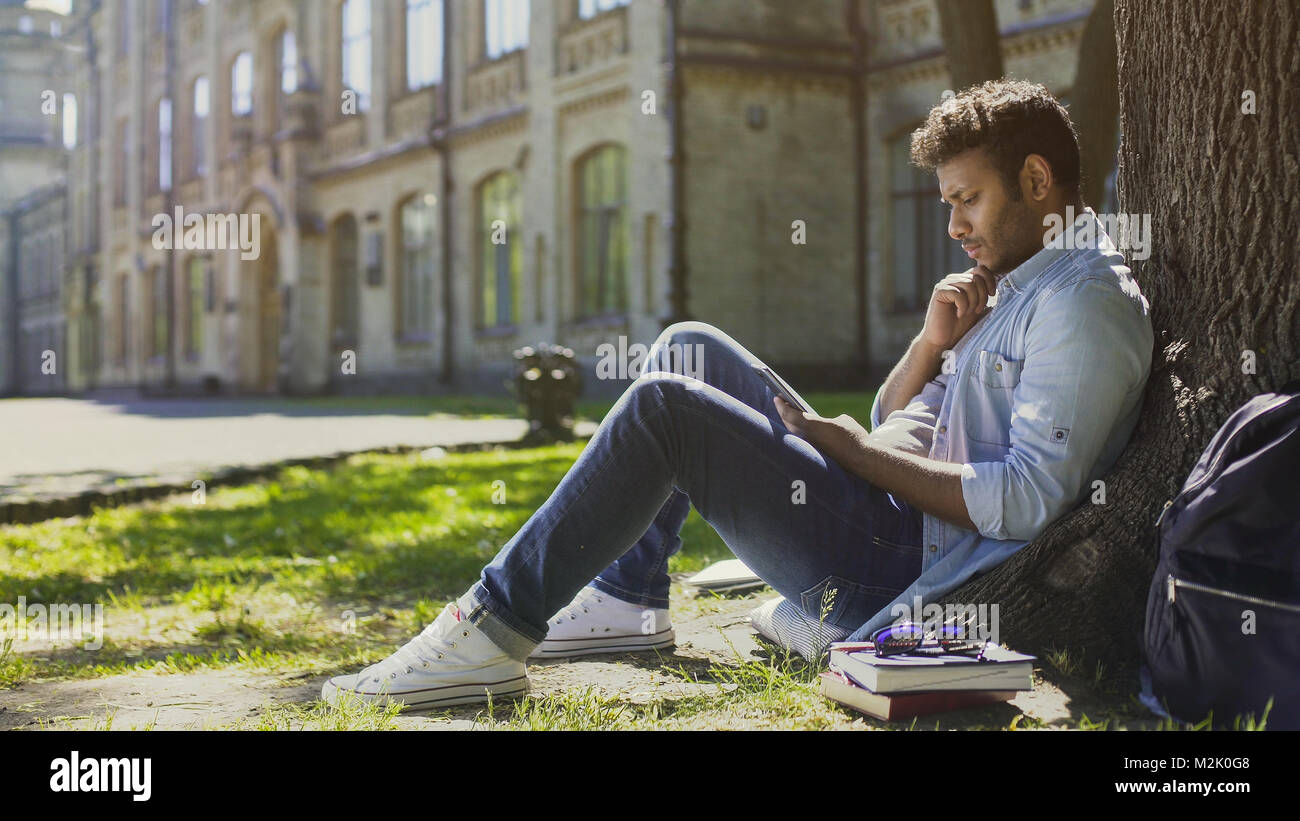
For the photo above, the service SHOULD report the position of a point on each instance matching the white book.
(731, 574)
(1000, 669)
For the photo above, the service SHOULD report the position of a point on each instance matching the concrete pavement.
(57, 448)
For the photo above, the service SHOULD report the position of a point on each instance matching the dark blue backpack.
(1222, 627)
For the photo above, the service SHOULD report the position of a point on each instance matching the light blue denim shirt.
(1036, 402)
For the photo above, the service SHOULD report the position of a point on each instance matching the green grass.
(318, 569)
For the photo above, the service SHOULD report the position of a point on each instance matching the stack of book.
(904, 686)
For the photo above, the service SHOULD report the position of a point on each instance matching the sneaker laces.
(570, 611)
(427, 648)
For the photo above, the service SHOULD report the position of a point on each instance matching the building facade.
(303, 196)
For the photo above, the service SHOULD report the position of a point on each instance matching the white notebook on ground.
(730, 574)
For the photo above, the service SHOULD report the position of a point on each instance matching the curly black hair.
(1011, 119)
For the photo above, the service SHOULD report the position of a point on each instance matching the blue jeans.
(795, 517)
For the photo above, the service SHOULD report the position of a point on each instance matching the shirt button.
(934, 548)
(943, 428)
(997, 367)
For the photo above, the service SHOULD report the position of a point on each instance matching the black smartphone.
(780, 388)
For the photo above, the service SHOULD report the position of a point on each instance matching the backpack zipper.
(1171, 584)
(1163, 510)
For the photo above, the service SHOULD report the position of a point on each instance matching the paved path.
(64, 446)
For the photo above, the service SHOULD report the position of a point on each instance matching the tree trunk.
(1094, 108)
(970, 37)
(1223, 279)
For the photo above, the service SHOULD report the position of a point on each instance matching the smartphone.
(779, 387)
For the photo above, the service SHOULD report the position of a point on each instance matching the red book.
(840, 688)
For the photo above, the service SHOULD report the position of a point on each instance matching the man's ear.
(1036, 177)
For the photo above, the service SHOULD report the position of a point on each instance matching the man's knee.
(683, 347)
(687, 332)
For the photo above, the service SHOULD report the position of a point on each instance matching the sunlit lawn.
(313, 569)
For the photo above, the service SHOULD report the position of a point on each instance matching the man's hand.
(956, 304)
(831, 436)
(930, 486)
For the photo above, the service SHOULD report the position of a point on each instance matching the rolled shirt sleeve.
(911, 428)
(1087, 351)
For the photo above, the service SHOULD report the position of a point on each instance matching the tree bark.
(1223, 278)
(970, 37)
(1094, 108)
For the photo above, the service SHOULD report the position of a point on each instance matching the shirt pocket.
(991, 388)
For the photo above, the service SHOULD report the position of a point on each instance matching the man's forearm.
(918, 366)
(926, 484)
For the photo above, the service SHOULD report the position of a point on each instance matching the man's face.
(995, 230)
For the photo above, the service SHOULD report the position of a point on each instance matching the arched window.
(356, 50)
(121, 297)
(69, 121)
(287, 48)
(241, 85)
(345, 295)
(418, 267)
(284, 72)
(199, 127)
(500, 243)
(158, 312)
(164, 144)
(424, 43)
(505, 26)
(602, 231)
(194, 306)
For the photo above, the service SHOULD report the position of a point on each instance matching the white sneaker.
(450, 662)
(598, 623)
(782, 622)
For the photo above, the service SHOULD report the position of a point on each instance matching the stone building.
(563, 170)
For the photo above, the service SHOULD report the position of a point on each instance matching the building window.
(356, 50)
(418, 267)
(288, 46)
(194, 304)
(602, 246)
(164, 144)
(241, 85)
(590, 8)
(505, 24)
(158, 312)
(500, 242)
(345, 296)
(69, 121)
(923, 253)
(424, 43)
(199, 127)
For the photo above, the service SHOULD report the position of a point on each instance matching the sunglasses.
(912, 638)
